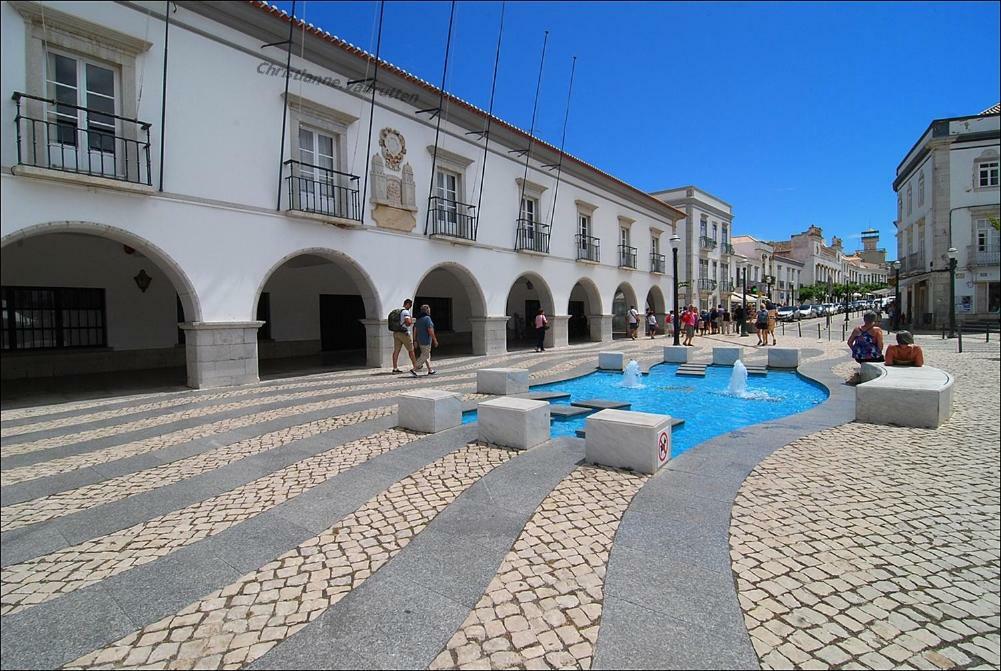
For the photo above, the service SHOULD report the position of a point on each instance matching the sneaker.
(397, 370)
(413, 373)
(432, 372)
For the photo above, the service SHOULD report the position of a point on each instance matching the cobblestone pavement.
(867, 546)
(239, 623)
(115, 489)
(73, 568)
(855, 547)
(544, 605)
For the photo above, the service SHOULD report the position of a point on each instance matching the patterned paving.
(239, 623)
(59, 573)
(856, 547)
(544, 606)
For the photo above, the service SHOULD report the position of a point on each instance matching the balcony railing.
(727, 248)
(984, 255)
(319, 190)
(627, 256)
(588, 248)
(657, 263)
(451, 219)
(707, 285)
(532, 236)
(914, 263)
(706, 242)
(725, 286)
(81, 140)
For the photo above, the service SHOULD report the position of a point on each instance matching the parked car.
(819, 310)
(787, 313)
(806, 312)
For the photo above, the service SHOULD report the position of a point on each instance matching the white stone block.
(675, 354)
(640, 441)
(513, 422)
(429, 410)
(726, 356)
(502, 381)
(611, 360)
(904, 396)
(783, 357)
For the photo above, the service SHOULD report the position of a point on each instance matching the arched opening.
(313, 304)
(655, 301)
(457, 309)
(528, 293)
(622, 300)
(584, 307)
(81, 303)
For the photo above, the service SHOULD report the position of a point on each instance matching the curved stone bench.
(903, 396)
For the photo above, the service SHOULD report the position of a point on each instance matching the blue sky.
(796, 114)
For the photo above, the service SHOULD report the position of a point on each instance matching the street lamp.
(742, 266)
(896, 297)
(953, 262)
(675, 241)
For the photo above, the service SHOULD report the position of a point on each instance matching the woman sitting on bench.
(905, 352)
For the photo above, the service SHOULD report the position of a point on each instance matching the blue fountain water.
(704, 403)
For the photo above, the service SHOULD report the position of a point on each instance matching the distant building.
(829, 264)
(947, 196)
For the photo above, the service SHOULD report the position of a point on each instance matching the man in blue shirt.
(425, 335)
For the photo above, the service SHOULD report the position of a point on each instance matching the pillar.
(221, 354)
(559, 331)
(379, 344)
(489, 335)
(601, 327)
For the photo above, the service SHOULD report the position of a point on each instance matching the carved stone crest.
(394, 147)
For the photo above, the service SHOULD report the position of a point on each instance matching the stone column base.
(379, 344)
(558, 334)
(220, 354)
(489, 335)
(601, 327)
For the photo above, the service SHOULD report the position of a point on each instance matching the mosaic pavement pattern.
(856, 547)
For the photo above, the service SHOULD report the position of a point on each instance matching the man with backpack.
(400, 323)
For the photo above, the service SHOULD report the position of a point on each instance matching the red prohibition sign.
(662, 441)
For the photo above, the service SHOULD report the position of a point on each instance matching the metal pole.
(799, 324)
(896, 300)
(819, 337)
(677, 313)
(163, 96)
(952, 299)
(441, 103)
(743, 297)
(960, 332)
(371, 110)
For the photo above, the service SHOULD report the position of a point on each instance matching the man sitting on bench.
(905, 352)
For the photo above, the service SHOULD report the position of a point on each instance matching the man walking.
(424, 330)
(634, 321)
(400, 323)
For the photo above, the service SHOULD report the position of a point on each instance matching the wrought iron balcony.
(727, 248)
(451, 219)
(627, 256)
(725, 285)
(532, 236)
(320, 190)
(914, 263)
(984, 255)
(588, 248)
(657, 263)
(707, 285)
(82, 140)
(706, 242)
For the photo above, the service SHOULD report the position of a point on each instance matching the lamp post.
(896, 297)
(675, 241)
(953, 262)
(742, 266)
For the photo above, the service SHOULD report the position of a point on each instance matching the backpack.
(394, 321)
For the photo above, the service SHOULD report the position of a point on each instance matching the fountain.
(738, 385)
(631, 376)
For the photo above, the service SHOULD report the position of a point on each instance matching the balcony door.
(319, 189)
(82, 140)
(447, 190)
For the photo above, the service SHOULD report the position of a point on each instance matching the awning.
(751, 300)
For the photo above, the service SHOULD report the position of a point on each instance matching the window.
(715, 273)
(529, 209)
(447, 190)
(921, 190)
(83, 139)
(584, 229)
(726, 233)
(987, 174)
(624, 237)
(715, 230)
(703, 226)
(987, 236)
(910, 240)
(703, 269)
(654, 245)
(50, 318)
(320, 187)
(908, 199)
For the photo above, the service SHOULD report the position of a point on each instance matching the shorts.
(689, 330)
(402, 340)
(633, 326)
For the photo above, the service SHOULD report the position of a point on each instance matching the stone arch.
(586, 313)
(655, 299)
(467, 328)
(171, 268)
(323, 307)
(623, 297)
(526, 288)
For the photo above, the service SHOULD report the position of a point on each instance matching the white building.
(821, 263)
(141, 230)
(705, 258)
(947, 196)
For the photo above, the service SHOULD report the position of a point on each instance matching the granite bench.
(521, 423)
(502, 381)
(903, 396)
(429, 410)
(639, 441)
